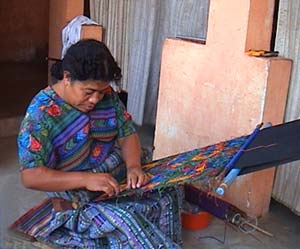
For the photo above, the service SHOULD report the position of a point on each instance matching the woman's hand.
(136, 177)
(102, 182)
(45, 179)
(131, 152)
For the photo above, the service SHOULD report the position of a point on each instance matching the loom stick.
(229, 167)
(258, 229)
(232, 175)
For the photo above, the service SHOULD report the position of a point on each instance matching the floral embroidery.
(40, 140)
(24, 138)
(97, 151)
(42, 107)
(86, 128)
(126, 115)
(35, 144)
(82, 134)
(54, 110)
(111, 122)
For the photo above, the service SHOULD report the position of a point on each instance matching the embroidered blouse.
(56, 135)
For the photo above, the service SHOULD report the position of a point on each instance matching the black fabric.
(271, 147)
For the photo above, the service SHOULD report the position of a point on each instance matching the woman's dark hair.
(87, 60)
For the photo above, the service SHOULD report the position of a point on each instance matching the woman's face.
(84, 95)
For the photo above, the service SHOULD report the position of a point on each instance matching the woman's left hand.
(136, 177)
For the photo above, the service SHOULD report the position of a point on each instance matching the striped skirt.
(150, 221)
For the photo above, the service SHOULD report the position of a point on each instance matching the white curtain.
(287, 181)
(135, 31)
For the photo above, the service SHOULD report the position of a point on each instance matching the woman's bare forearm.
(45, 179)
(131, 150)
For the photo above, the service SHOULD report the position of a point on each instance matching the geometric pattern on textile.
(198, 165)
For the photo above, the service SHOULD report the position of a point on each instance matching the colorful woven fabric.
(201, 165)
(151, 221)
(56, 135)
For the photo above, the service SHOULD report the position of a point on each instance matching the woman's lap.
(136, 222)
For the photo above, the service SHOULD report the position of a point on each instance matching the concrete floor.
(15, 200)
(280, 221)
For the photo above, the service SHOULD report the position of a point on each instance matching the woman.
(77, 140)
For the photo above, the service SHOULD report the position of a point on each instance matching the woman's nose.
(96, 97)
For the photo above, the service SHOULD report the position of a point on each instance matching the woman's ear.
(66, 77)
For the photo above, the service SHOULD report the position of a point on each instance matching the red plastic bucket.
(196, 221)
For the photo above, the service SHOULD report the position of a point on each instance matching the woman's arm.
(131, 150)
(45, 179)
(131, 153)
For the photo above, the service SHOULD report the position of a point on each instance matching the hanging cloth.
(72, 31)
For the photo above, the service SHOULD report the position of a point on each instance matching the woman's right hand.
(102, 182)
(45, 179)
